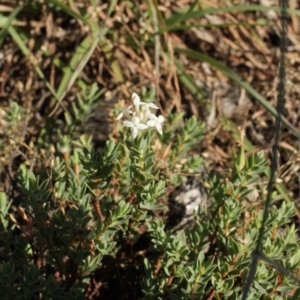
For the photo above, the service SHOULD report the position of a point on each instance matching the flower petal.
(128, 124)
(120, 115)
(152, 116)
(141, 126)
(152, 105)
(151, 123)
(135, 120)
(160, 119)
(136, 99)
(134, 132)
(158, 127)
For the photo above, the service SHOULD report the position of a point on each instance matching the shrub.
(89, 212)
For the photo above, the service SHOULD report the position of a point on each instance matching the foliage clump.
(83, 212)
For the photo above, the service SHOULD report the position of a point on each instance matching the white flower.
(139, 116)
(136, 99)
(136, 102)
(156, 122)
(135, 126)
(145, 113)
(149, 105)
(127, 112)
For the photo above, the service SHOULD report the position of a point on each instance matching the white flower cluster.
(141, 117)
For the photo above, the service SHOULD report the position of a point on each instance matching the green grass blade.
(7, 21)
(111, 7)
(68, 10)
(189, 83)
(80, 58)
(178, 18)
(184, 16)
(261, 22)
(81, 55)
(236, 78)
